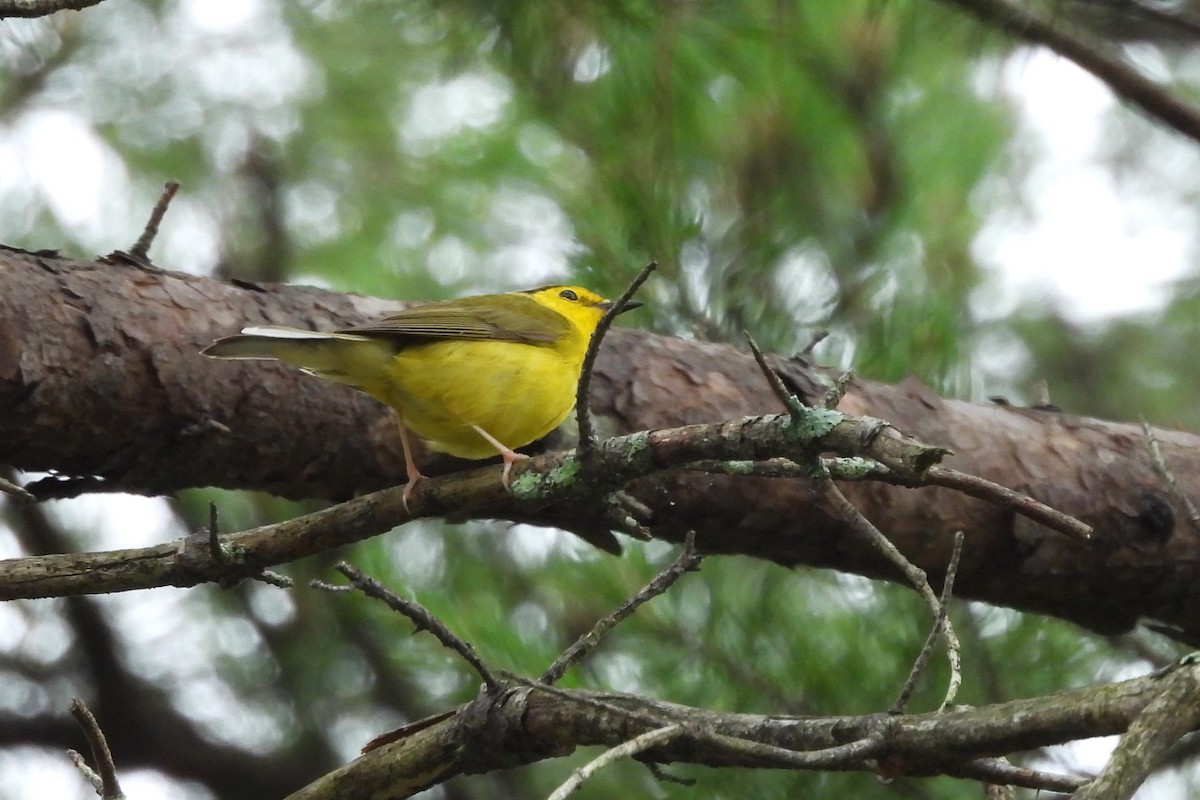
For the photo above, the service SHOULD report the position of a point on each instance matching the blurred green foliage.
(792, 166)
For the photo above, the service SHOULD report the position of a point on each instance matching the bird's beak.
(630, 305)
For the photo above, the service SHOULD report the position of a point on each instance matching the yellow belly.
(516, 392)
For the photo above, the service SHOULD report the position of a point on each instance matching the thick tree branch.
(527, 724)
(109, 353)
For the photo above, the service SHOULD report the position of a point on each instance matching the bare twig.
(422, 618)
(688, 561)
(587, 438)
(141, 248)
(859, 469)
(661, 774)
(935, 633)
(998, 772)
(1160, 466)
(833, 397)
(625, 512)
(789, 401)
(874, 537)
(632, 747)
(87, 772)
(204, 553)
(214, 535)
(110, 787)
(1007, 498)
(16, 492)
(817, 337)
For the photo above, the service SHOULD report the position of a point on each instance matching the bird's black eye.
(567, 294)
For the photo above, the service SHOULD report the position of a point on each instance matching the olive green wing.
(499, 317)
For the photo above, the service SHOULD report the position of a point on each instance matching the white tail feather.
(280, 332)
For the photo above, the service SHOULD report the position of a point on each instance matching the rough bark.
(100, 380)
(520, 725)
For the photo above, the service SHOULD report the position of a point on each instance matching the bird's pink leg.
(509, 455)
(410, 466)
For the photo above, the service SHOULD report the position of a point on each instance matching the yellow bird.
(474, 376)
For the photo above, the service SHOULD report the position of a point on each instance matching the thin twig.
(625, 512)
(688, 561)
(789, 401)
(110, 787)
(637, 744)
(852, 469)
(661, 774)
(817, 337)
(999, 772)
(1003, 496)
(141, 247)
(206, 544)
(922, 660)
(214, 536)
(422, 618)
(87, 772)
(16, 492)
(1164, 472)
(833, 397)
(874, 537)
(587, 437)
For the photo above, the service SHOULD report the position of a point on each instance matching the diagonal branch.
(1025, 22)
(534, 722)
(688, 561)
(421, 617)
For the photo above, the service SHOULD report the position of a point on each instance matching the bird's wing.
(502, 317)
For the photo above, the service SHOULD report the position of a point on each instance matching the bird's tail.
(340, 357)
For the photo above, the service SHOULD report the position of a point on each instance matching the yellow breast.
(516, 392)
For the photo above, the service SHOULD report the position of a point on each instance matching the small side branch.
(1006, 498)
(998, 772)
(15, 491)
(141, 248)
(874, 537)
(688, 561)
(106, 770)
(421, 617)
(858, 469)
(935, 633)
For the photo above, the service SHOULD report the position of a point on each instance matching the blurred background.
(945, 202)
